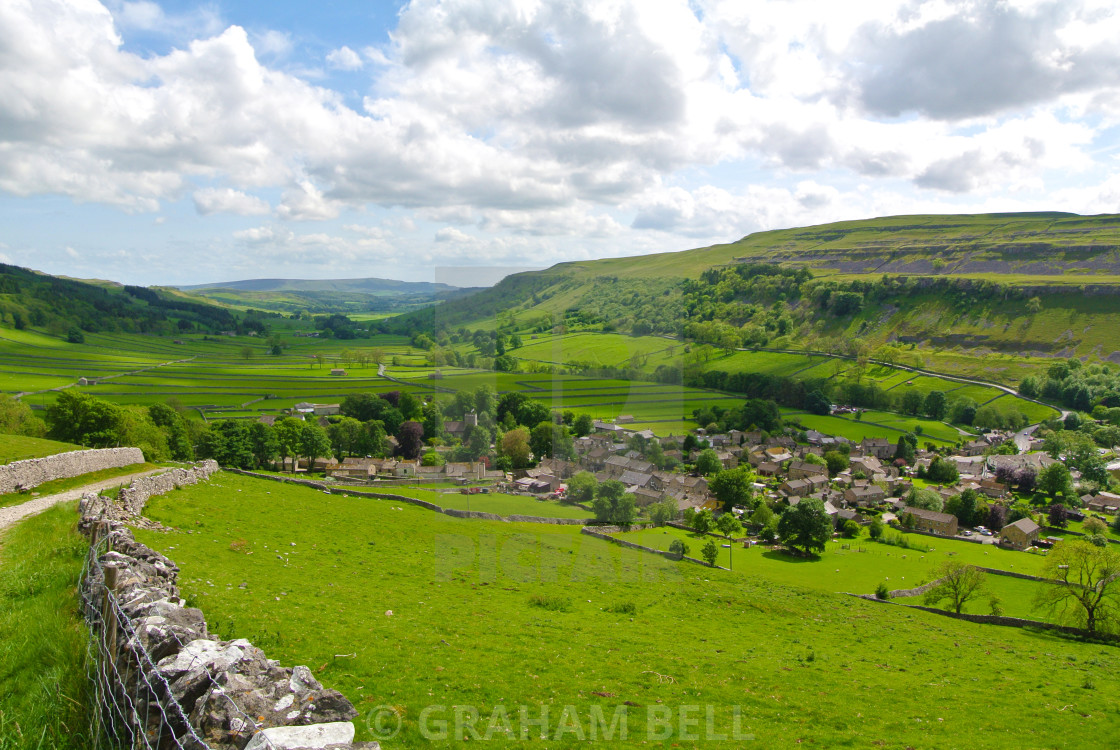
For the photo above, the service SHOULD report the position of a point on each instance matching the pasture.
(414, 613)
(236, 377)
(19, 447)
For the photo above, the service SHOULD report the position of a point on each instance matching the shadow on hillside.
(784, 556)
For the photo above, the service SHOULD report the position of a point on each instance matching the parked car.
(966, 532)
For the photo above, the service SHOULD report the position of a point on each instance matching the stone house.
(865, 495)
(803, 470)
(931, 521)
(1105, 502)
(796, 487)
(878, 447)
(1019, 535)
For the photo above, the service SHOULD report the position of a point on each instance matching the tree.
(478, 441)
(875, 530)
(262, 443)
(660, 513)
(515, 447)
(583, 425)
(1094, 526)
(965, 507)
(728, 525)
(410, 439)
(925, 499)
(701, 521)
(287, 438)
(732, 486)
(941, 471)
(935, 406)
(173, 424)
(708, 462)
(850, 529)
(678, 548)
(1057, 516)
(836, 462)
(549, 439)
(1086, 592)
(433, 421)
(805, 527)
(313, 443)
(431, 458)
(345, 436)
(1055, 480)
(956, 582)
(581, 487)
(710, 552)
(16, 418)
(818, 403)
(613, 504)
(80, 418)
(761, 516)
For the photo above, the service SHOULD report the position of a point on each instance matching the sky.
(457, 140)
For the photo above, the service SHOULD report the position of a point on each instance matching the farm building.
(1019, 535)
(337, 371)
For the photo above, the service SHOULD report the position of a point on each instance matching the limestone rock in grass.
(317, 737)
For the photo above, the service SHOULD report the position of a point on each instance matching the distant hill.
(1029, 284)
(363, 286)
(319, 296)
(65, 306)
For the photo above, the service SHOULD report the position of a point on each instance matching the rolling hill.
(325, 295)
(958, 287)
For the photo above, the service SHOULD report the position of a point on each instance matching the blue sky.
(179, 142)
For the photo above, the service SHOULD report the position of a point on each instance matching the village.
(874, 481)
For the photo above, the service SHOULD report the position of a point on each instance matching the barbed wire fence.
(135, 707)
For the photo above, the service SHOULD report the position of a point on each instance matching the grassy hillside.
(20, 447)
(1027, 286)
(402, 610)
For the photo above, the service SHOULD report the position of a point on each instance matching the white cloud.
(305, 202)
(228, 200)
(344, 58)
(533, 126)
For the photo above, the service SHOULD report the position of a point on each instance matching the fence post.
(108, 618)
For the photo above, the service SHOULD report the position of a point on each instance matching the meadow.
(20, 447)
(858, 566)
(234, 376)
(418, 617)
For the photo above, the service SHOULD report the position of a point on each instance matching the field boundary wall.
(31, 472)
(454, 513)
(162, 680)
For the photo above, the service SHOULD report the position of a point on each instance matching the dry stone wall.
(231, 694)
(23, 475)
(134, 497)
(414, 501)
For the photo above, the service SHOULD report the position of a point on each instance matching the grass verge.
(43, 696)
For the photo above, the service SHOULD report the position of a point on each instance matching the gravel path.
(15, 513)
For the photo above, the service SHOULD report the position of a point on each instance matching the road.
(16, 513)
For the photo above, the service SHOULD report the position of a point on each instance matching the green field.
(493, 502)
(19, 447)
(213, 377)
(493, 615)
(859, 566)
